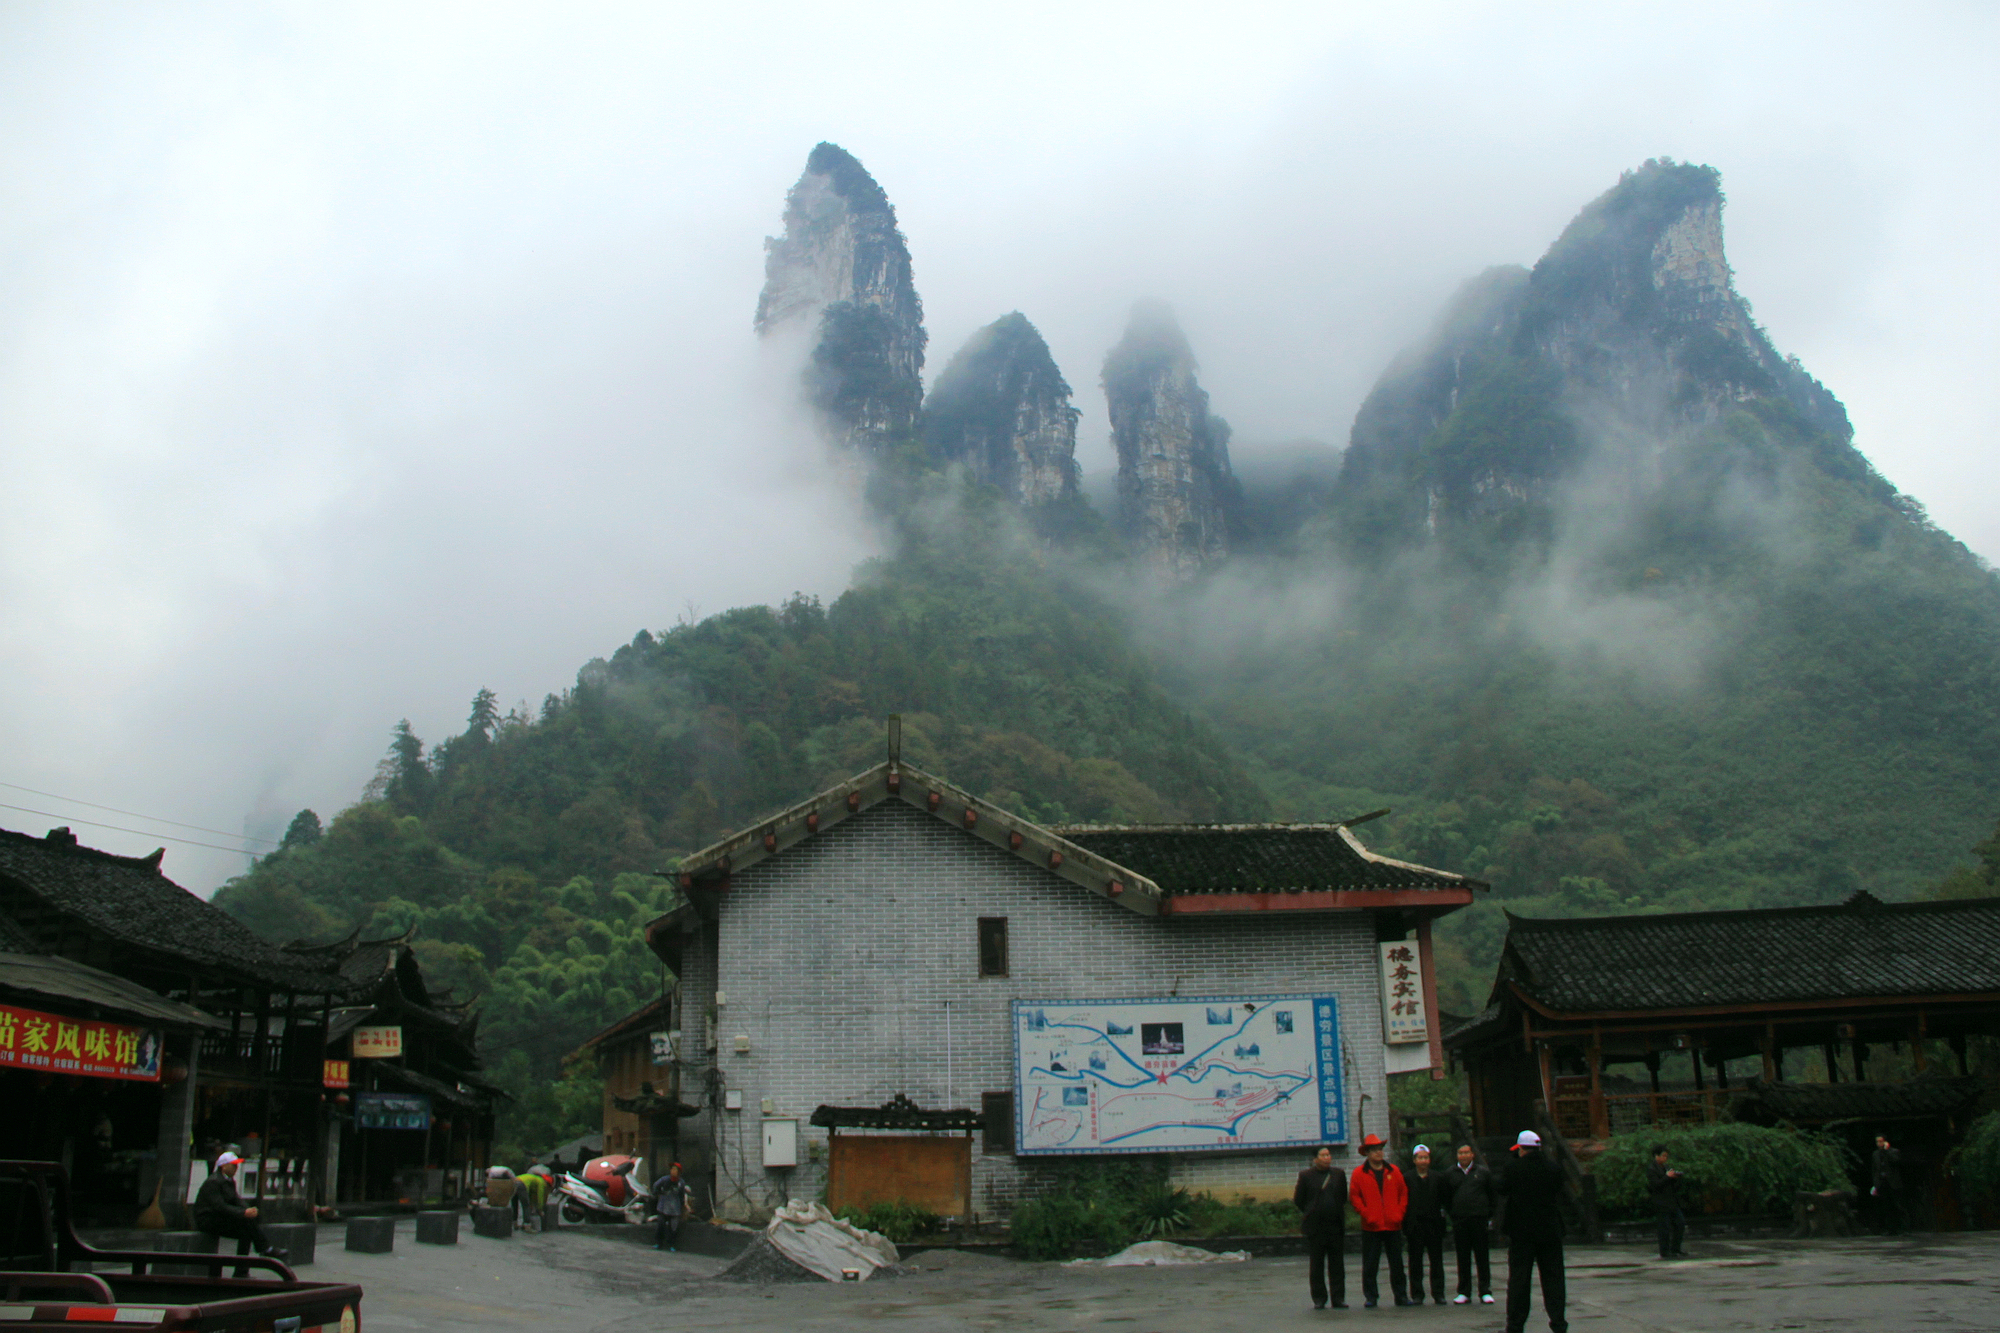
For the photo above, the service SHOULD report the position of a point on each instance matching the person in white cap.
(1423, 1223)
(1537, 1210)
(220, 1211)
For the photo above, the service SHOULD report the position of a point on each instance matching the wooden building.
(642, 1103)
(250, 1076)
(413, 1115)
(1610, 1025)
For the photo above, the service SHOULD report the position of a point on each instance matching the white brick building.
(869, 944)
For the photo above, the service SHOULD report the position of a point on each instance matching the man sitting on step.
(220, 1211)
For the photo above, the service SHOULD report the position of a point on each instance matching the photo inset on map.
(1161, 1039)
(1076, 1096)
(1284, 1020)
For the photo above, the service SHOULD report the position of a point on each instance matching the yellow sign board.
(377, 1043)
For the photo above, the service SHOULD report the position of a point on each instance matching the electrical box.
(781, 1142)
(732, 1100)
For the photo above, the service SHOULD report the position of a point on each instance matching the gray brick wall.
(851, 964)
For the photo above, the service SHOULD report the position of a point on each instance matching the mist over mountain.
(1602, 598)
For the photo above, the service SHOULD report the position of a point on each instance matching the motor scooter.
(607, 1190)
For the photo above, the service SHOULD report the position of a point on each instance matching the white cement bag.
(817, 1241)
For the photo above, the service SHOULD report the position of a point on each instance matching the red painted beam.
(1313, 900)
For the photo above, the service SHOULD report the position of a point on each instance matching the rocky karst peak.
(1177, 496)
(1626, 344)
(842, 272)
(1001, 409)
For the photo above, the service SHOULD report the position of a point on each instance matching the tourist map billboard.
(1177, 1074)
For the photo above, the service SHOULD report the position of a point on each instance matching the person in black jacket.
(1423, 1224)
(220, 1211)
(1537, 1211)
(1321, 1198)
(1663, 1186)
(1886, 1185)
(1469, 1202)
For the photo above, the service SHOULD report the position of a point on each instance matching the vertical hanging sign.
(1404, 1018)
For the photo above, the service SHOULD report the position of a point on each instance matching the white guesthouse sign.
(1404, 1017)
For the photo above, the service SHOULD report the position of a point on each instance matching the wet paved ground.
(591, 1282)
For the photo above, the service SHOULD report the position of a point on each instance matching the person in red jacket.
(1381, 1197)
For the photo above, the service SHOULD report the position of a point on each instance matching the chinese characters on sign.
(1404, 1018)
(59, 1045)
(378, 1043)
(333, 1073)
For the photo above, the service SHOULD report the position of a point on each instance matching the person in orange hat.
(1380, 1196)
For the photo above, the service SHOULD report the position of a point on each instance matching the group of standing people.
(1413, 1208)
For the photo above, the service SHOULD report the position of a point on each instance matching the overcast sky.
(353, 358)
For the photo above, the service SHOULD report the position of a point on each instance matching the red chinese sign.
(33, 1040)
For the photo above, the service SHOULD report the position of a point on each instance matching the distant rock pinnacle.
(1625, 342)
(1002, 409)
(843, 268)
(1176, 492)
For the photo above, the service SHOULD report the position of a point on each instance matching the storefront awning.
(47, 978)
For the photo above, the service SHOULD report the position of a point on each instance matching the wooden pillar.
(1548, 1083)
(1860, 1061)
(1600, 1116)
(1653, 1070)
(1694, 1058)
(1831, 1056)
(1428, 967)
(1771, 1062)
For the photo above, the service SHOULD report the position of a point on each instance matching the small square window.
(992, 946)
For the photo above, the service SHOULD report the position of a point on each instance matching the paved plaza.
(609, 1283)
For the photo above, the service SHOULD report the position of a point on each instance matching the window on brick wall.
(992, 946)
(996, 1110)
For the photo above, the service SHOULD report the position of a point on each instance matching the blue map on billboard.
(1177, 1074)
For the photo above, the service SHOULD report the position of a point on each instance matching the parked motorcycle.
(608, 1190)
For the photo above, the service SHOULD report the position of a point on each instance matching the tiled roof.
(1859, 949)
(127, 899)
(1254, 858)
(1818, 1103)
(45, 977)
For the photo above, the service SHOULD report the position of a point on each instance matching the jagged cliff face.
(1002, 410)
(1177, 496)
(842, 269)
(1626, 343)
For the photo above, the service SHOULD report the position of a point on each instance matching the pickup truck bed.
(51, 1279)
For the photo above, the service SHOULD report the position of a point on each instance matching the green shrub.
(1977, 1160)
(1210, 1216)
(1159, 1213)
(900, 1221)
(1730, 1168)
(1058, 1226)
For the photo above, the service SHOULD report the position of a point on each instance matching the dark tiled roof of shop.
(1858, 949)
(127, 899)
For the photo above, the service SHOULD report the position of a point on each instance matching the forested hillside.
(523, 848)
(1605, 602)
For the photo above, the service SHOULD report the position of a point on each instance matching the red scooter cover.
(614, 1184)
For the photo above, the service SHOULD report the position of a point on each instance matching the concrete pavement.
(604, 1281)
